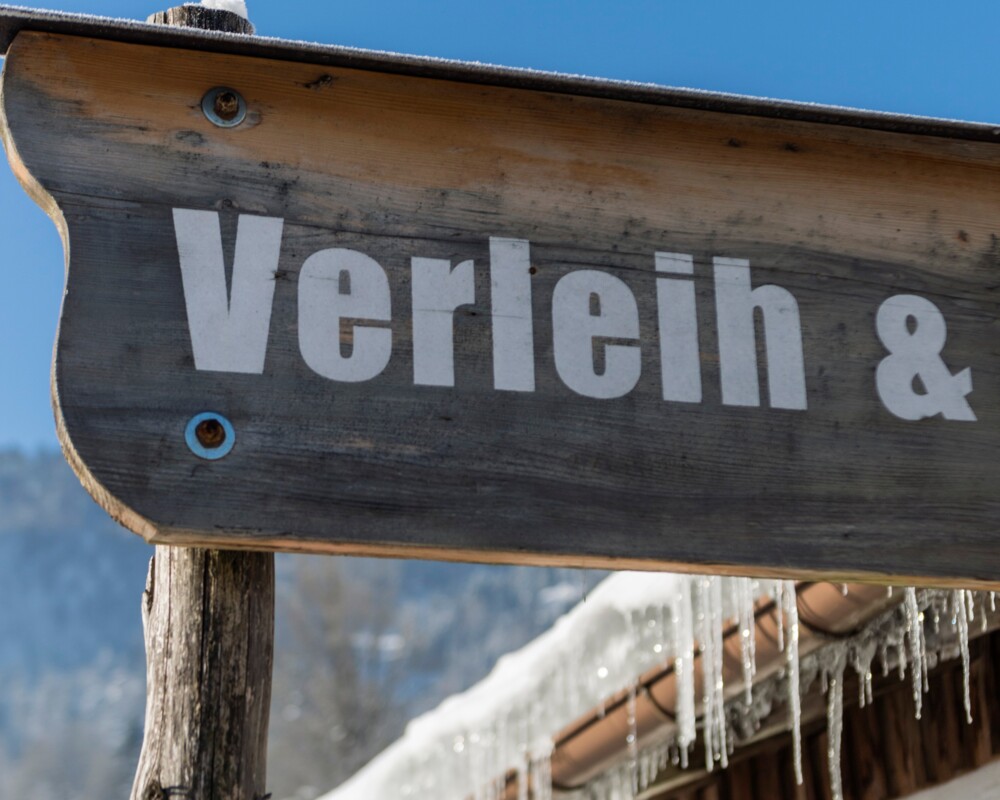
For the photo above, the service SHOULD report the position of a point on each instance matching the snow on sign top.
(235, 6)
(517, 317)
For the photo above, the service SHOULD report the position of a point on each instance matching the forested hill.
(361, 645)
(70, 578)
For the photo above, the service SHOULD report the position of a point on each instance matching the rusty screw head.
(227, 105)
(224, 107)
(210, 433)
(210, 436)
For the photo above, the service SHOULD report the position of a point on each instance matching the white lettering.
(576, 324)
(229, 330)
(437, 291)
(735, 304)
(513, 331)
(336, 285)
(915, 353)
(680, 360)
(344, 294)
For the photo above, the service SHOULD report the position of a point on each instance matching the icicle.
(791, 616)
(925, 667)
(888, 591)
(646, 774)
(993, 601)
(835, 721)
(779, 623)
(683, 649)
(707, 660)
(901, 660)
(962, 622)
(632, 739)
(500, 760)
(748, 641)
(625, 791)
(661, 634)
(863, 655)
(718, 651)
(542, 777)
(710, 634)
(843, 589)
(915, 637)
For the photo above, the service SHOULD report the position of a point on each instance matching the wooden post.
(209, 19)
(208, 618)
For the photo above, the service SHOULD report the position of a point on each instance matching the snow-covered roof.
(621, 629)
(630, 623)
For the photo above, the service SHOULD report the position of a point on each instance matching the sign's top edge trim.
(14, 19)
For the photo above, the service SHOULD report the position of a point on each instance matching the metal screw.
(210, 436)
(210, 433)
(224, 107)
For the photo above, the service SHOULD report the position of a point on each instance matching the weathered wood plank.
(819, 749)
(982, 700)
(936, 728)
(953, 728)
(401, 167)
(993, 674)
(905, 769)
(863, 750)
(793, 789)
(710, 792)
(766, 780)
(740, 780)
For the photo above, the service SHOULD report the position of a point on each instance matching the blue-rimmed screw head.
(210, 436)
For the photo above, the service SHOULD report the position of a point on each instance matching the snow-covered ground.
(983, 784)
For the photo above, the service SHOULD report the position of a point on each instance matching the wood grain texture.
(110, 138)
(209, 624)
(197, 16)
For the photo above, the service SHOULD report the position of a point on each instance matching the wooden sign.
(325, 301)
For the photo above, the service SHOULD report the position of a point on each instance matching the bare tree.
(337, 670)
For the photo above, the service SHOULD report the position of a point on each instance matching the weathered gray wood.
(197, 16)
(208, 618)
(398, 167)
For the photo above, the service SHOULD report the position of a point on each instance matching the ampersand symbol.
(915, 352)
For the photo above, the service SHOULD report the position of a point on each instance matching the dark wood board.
(110, 138)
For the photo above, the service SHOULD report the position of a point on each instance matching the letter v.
(229, 330)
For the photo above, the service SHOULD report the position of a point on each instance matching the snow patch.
(983, 784)
(236, 6)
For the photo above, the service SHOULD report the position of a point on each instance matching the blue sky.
(914, 57)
